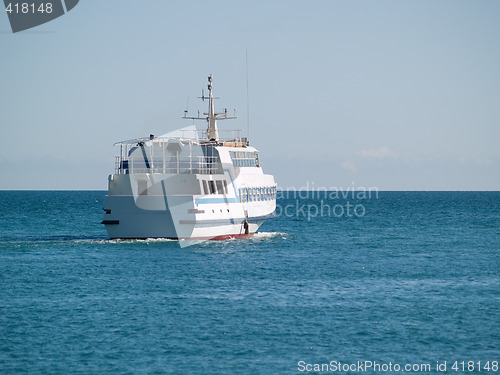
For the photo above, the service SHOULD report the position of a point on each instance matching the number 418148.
(470, 366)
(25, 8)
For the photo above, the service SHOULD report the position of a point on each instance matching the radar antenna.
(211, 116)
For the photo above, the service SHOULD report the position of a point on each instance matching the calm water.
(414, 280)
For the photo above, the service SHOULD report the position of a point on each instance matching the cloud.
(377, 153)
(481, 161)
(349, 165)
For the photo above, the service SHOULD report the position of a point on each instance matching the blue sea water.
(406, 278)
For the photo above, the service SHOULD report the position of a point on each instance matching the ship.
(189, 184)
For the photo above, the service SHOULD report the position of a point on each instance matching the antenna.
(211, 117)
(187, 107)
(248, 100)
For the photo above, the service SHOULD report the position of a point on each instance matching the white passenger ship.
(189, 184)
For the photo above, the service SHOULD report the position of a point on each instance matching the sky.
(397, 95)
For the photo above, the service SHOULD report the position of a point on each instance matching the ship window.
(211, 185)
(220, 189)
(205, 187)
(225, 186)
(244, 159)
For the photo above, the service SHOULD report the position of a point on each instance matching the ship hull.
(178, 217)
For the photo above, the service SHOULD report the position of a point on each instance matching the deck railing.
(225, 135)
(193, 165)
(192, 135)
(189, 153)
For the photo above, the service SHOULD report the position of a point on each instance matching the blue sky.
(399, 95)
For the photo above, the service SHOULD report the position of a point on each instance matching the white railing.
(190, 153)
(196, 136)
(190, 165)
(225, 135)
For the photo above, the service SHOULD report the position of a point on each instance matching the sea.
(379, 283)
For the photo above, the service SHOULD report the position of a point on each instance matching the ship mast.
(212, 131)
(211, 116)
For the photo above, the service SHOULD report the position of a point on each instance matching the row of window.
(257, 194)
(215, 187)
(244, 158)
(254, 194)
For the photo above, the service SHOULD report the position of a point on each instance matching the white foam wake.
(269, 235)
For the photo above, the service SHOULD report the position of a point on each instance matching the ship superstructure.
(189, 184)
